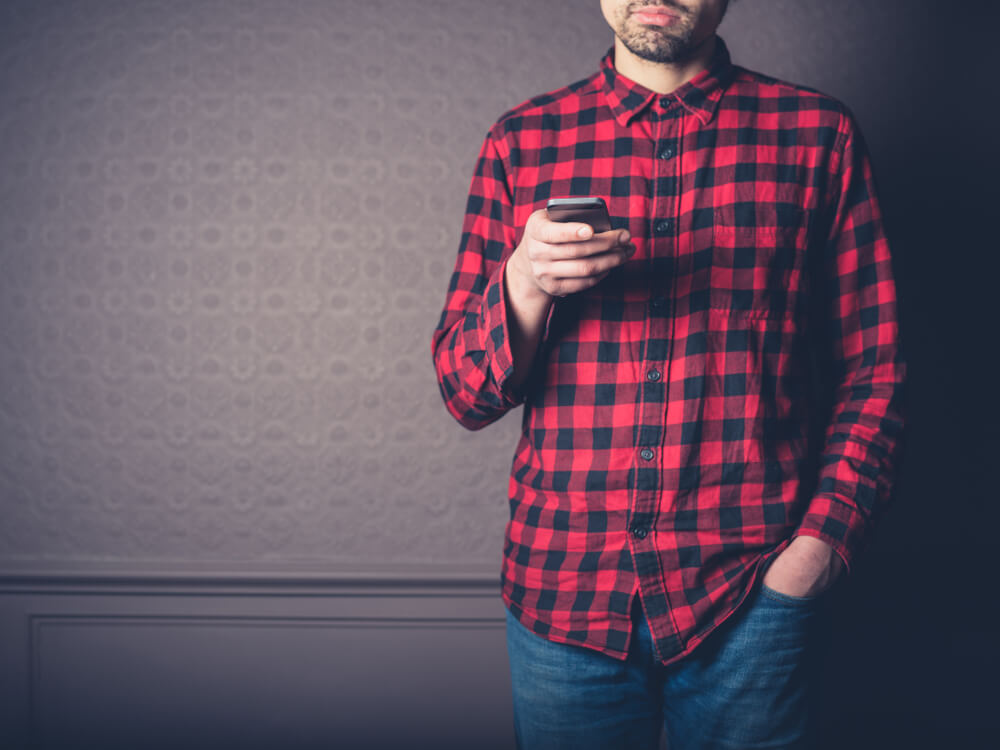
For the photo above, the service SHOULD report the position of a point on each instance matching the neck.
(663, 78)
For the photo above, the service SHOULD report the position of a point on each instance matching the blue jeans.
(752, 683)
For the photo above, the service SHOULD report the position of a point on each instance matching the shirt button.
(647, 454)
(667, 152)
(663, 226)
(653, 375)
(666, 102)
(639, 532)
(658, 303)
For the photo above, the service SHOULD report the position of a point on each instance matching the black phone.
(590, 210)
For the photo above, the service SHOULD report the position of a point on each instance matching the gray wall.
(231, 500)
(227, 232)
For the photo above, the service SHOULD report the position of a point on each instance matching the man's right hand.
(558, 258)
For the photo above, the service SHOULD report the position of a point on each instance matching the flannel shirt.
(736, 383)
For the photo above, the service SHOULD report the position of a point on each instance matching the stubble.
(657, 44)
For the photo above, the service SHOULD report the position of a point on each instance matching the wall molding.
(302, 581)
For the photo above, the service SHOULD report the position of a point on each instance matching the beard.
(657, 44)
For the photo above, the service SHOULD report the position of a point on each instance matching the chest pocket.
(758, 258)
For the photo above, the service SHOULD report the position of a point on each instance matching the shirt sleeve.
(862, 437)
(471, 345)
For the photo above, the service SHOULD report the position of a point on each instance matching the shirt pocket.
(758, 256)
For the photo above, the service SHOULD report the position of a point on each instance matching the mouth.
(655, 15)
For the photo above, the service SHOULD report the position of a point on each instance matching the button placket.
(650, 435)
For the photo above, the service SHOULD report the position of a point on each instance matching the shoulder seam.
(539, 101)
(762, 79)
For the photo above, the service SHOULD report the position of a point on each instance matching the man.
(681, 502)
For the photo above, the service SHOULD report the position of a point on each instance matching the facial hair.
(656, 43)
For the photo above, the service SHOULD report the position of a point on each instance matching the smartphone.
(591, 210)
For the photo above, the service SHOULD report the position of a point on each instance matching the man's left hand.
(806, 567)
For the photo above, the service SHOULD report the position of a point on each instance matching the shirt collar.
(700, 95)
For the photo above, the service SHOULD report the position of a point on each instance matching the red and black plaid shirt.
(674, 431)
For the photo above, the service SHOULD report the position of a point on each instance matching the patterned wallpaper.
(226, 232)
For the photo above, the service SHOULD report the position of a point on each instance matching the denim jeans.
(752, 683)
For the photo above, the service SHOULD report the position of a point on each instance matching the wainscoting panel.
(216, 665)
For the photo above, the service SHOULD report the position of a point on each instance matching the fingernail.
(624, 237)
(584, 231)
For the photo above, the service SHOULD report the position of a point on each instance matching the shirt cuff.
(496, 327)
(833, 521)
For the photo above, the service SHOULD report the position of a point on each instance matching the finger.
(598, 244)
(586, 268)
(559, 232)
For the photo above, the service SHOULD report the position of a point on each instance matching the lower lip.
(654, 19)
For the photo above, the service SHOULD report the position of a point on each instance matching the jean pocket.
(789, 599)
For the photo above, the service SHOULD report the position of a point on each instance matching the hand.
(806, 567)
(555, 259)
